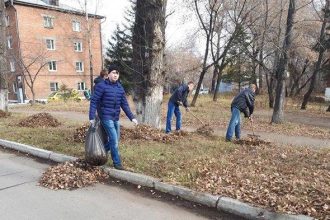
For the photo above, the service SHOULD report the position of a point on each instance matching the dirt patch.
(282, 179)
(4, 114)
(39, 120)
(71, 175)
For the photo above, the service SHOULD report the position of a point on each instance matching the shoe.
(228, 140)
(119, 167)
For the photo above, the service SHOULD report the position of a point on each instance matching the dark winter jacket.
(244, 101)
(97, 80)
(180, 95)
(111, 97)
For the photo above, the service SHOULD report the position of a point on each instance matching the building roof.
(61, 7)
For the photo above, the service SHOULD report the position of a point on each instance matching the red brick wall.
(32, 36)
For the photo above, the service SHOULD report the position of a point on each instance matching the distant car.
(203, 91)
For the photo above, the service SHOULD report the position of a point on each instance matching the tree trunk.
(217, 89)
(322, 49)
(328, 110)
(148, 59)
(3, 60)
(278, 113)
(214, 80)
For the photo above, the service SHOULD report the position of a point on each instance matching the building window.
(78, 46)
(12, 66)
(50, 43)
(79, 66)
(10, 42)
(52, 65)
(53, 86)
(48, 22)
(76, 26)
(81, 86)
(7, 20)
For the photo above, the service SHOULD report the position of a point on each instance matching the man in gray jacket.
(243, 102)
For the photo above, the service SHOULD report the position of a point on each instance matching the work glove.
(92, 122)
(250, 118)
(187, 109)
(179, 103)
(135, 121)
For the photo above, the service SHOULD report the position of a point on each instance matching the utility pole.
(3, 60)
(90, 55)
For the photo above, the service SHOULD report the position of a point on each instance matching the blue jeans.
(234, 124)
(172, 108)
(113, 131)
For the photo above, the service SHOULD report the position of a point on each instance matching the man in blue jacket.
(178, 98)
(243, 102)
(111, 96)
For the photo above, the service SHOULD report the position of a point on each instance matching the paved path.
(22, 198)
(272, 137)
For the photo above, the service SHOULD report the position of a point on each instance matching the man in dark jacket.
(111, 96)
(178, 98)
(243, 102)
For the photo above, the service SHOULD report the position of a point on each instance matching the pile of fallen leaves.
(71, 175)
(252, 142)
(40, 120)
(80, 134)
(4, 114)
(283, 179)
(144, 132)
(205, 130)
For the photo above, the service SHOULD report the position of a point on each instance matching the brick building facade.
(50, 40)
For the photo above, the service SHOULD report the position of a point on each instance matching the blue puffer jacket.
(111, 97)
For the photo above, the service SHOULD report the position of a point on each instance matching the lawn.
(281, 178)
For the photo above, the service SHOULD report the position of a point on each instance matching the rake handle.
(196, 117)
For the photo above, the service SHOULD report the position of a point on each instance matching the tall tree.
(3, 61)
(321, 47)
(120, 52)
(278, 113)
(148, 60)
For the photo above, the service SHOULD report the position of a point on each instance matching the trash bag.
(95, 153)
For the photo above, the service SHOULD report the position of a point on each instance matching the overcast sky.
(114, 11)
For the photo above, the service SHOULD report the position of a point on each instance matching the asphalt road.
(22, 198)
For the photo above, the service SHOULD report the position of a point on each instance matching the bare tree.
(321, 48)
(278, 113)
(148, 60)
(31, 66)
(3, 61)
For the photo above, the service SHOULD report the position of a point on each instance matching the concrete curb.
(225, 204)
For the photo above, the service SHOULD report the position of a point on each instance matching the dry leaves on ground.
(71, 175)
(283, 179)
(4, 114)
(140, 132)
(39, 120)
(205, 130)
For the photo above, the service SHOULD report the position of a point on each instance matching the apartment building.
(48, 47)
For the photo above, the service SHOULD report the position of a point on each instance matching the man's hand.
(187, 109)
(179, 103)
(135, 121)
(92, 122)
(250, 118)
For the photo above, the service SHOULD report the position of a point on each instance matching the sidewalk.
(22, 198)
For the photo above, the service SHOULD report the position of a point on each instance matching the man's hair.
(253, 86)
(103, 73)
(191, 82)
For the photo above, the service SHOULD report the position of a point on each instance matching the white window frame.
(48, 21)
(10, 42)
(78, 46)
(52, 45)
(76, 26)
(12, 66)
(7, 20)
(51, 65)
(81, 67)
(15, 87)
(81, 86)
(53, 86)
